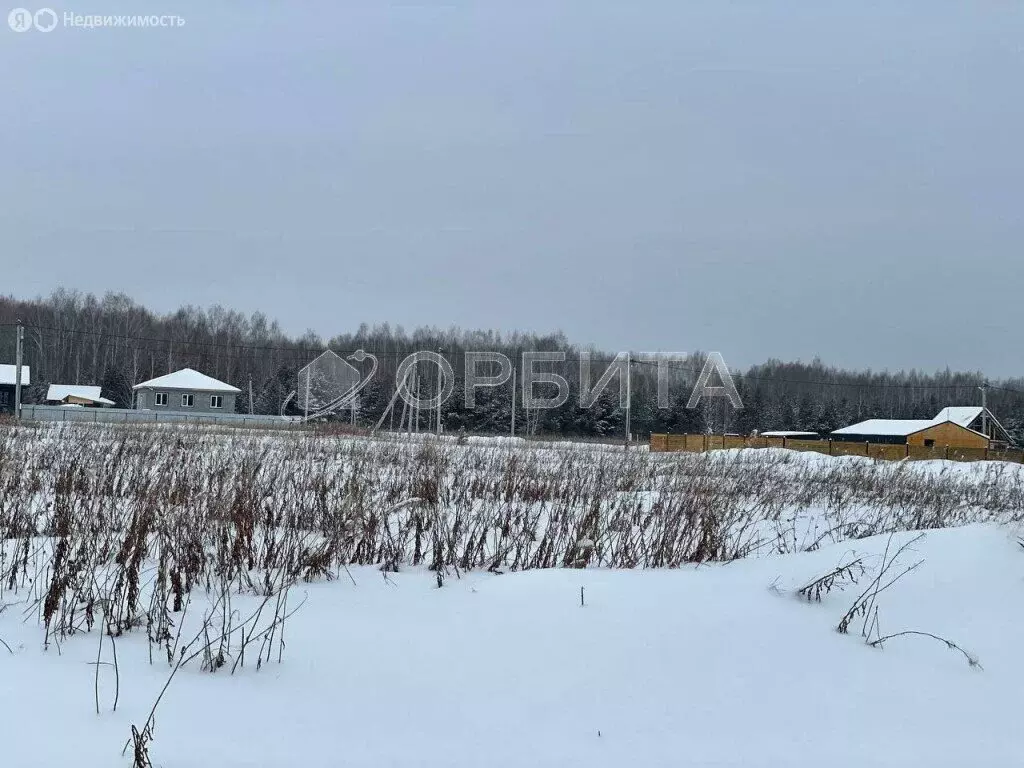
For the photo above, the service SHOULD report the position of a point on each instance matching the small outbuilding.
(75, 394)
(8, 383)
(186, 391)
(792, 434)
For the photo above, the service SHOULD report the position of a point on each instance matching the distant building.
(792, 434)
(74, 394)
(955, 427)
(186, 391)
(8, 383)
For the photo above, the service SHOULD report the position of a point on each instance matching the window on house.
(188, 401)
(160, 398)
(216, 401)
(929, 443)
(5, 398)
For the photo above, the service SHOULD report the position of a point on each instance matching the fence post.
(908, 450)
(830, 446)
(867, 448)
(705, 442)
(947, 453)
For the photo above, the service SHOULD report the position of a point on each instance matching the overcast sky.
(766, 179)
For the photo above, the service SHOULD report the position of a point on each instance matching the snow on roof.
(187, 378)
(81, 391)
(788, 433)
(895, 427)
(962, 415)
(8, 374)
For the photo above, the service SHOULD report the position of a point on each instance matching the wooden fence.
(701, 443)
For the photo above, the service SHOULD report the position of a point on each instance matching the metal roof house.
(74, 394)
(8, 376)
(186, 391)
(955, 427)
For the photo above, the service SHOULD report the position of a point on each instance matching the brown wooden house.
(953, 427)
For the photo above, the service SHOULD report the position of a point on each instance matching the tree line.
(75, 338)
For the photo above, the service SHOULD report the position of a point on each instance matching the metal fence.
(130, 416)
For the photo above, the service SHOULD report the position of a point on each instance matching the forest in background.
(74, 338)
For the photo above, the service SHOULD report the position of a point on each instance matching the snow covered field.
(716, 660)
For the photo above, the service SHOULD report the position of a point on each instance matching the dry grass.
(119, 526)
(91, 509)
(125, 522)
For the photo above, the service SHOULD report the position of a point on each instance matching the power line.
(298, 349)
(820, 383)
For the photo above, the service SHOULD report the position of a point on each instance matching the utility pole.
(515, 372)
(440, 351)
(629, 394)
(389, 411)
(305, 409)
(526, 403)
(405, 404)
(250, 395)
(526, 413)
(20, 343)
(416, 406)
(984, 409)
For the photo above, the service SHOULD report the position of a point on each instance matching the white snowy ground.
(700, 666)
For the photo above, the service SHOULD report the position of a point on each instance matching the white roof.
(787, 433)
(897, 427)
(963, 415)
(186, 378)
(8, 375)
(958, 414)
(61, 391)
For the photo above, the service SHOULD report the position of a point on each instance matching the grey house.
(185, 391)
